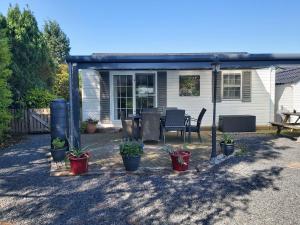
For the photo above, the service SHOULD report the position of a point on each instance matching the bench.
(280, 126)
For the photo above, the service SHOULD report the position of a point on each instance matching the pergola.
(213, 61)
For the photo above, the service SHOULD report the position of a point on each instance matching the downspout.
(270, 100)
(71, 135)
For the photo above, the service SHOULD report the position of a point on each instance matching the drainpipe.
(71, 135)
(215, 71)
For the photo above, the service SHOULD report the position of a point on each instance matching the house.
(105, 93)
(224, 83)
(287, 97)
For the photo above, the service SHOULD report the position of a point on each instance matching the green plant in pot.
(58, 150)
(180, 157)
(91, 126)
(131, 152)
(227, 144)
(78, 158)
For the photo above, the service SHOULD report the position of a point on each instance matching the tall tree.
(32, 65)
(5, 72)
(61, 82)
(57, 42)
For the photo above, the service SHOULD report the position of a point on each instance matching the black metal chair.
(197, 128)
(174, 121)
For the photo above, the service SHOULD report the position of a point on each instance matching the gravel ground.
(261, 187)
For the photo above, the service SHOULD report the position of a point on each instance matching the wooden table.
(286, 124)
(136, 118)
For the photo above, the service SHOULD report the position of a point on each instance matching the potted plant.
(78, 158)
(180, 157)
(131, 152)
(58, 150)
(227, 144)
(91, 125)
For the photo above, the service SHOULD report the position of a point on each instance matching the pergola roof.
(231, 60)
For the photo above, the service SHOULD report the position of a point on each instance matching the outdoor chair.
(197, 128)
(150, 126)
(167, 108)
(126, 127)
(174, 121)
(149, 110)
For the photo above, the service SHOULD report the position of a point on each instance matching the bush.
(39, 98)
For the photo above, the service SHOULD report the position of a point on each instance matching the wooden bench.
(280, 126)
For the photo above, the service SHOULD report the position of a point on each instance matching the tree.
(57, 42)
(61, 82)
(5, 72)
(32, 65)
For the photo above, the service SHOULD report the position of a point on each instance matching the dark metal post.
(74, 129)
(215, 71)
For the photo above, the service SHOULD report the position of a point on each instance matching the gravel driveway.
(262, 187)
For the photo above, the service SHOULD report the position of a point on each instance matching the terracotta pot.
(185, 156)
(79, 165)
(91, 128)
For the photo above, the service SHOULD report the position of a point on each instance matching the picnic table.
(136, 125)
(286, 124)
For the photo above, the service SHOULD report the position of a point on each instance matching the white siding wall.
(90, 94)
(262, 104)
(296, 98)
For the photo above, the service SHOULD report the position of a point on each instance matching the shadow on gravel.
(194, 198)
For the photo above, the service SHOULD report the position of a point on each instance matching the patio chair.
(196, 128)
(126, 127)
(149, 110)
(175, 121)
(150, 126)
(167, 108)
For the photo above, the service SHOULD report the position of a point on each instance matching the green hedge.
(39, 98)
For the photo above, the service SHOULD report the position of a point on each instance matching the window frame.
(223, 86)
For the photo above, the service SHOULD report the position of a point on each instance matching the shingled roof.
(288, 76)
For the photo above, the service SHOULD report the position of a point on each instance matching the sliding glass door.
(133, 92)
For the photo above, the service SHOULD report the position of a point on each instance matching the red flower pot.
(183, 163)
(80, 164)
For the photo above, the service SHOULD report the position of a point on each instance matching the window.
(123, 97)
(232, 86)
(189, 85)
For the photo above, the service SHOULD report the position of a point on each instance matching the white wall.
(90, 94)
(262, 104)
(296, 98)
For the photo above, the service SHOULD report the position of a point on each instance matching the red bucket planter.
(178, 164)
(79, 165)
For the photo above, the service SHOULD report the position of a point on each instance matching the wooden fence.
(30, 121)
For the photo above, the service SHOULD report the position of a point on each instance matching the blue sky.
(257, 26)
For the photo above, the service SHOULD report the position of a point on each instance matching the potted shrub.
(131, 152)
(58, 150)
(227, 144)
(91, 125)
(180, 157)
(78, 160)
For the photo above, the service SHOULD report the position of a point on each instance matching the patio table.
(286, 124)
(136, 125)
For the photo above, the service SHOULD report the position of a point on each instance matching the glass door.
(145, 91)
(123, 95)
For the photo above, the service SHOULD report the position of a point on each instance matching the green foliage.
(39, 98)
(58, 143)
(131, 148)
(32, 65)
(5, 73)
(227, 139)
(57, 42)
(92, 121)
(61, 82)
(83, 127)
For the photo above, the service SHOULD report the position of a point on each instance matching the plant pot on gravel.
(131, 152)
(79, 164)
(227, 144)
(58, 150)
(91, 126)
(180, 157)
